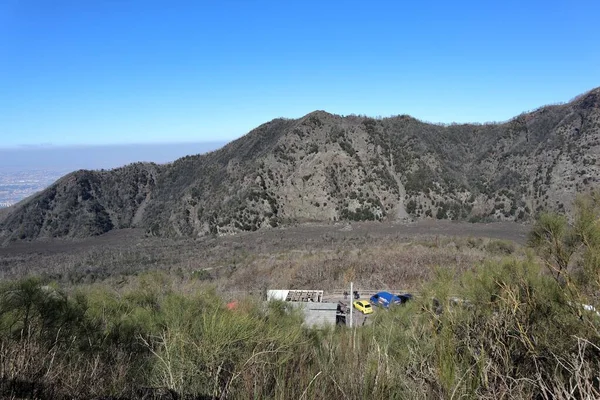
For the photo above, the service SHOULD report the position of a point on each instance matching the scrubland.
(490, 319)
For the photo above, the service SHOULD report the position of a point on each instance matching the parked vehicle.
(405, 297)
(386, 299)
(363, 306)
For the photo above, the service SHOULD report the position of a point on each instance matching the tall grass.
(503, 330)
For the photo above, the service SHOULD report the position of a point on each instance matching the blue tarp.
(385, 299)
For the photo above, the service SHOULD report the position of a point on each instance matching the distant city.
(15, 185)
(25, 171)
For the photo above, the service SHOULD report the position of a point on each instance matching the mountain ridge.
(327, 167)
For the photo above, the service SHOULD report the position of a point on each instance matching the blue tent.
(385, 299)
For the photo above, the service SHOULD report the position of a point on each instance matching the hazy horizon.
(98, 156)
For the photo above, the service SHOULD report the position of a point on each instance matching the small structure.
(316, 312)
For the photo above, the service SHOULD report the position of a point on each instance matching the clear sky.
(125, 71)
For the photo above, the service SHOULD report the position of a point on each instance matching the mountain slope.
(83, 203)
(326, 167)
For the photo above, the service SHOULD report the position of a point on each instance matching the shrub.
(500, 247)
(202, 275)
(411, 206)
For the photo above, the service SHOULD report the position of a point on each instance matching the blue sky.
(110, 72)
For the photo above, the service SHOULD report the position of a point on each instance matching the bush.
(500, 247)
(202, 275)
(411, 206)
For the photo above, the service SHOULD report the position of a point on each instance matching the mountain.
(325, 167)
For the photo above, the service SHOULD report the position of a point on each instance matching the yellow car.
(363, 306)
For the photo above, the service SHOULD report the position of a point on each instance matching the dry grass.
(380, 265)
(324, 257)
(254, 263)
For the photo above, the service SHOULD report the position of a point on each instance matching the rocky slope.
(325, 167)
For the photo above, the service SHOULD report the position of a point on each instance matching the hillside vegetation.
(325, 167)
(323, 257)
(511, 328)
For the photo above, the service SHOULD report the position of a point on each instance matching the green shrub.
(411, 206)
(500, 247)
(202, 275)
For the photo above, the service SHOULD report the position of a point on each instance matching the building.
(310, 302)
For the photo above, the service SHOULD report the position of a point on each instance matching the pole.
(351, 303)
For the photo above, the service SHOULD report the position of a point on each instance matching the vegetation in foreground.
(516, 328)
